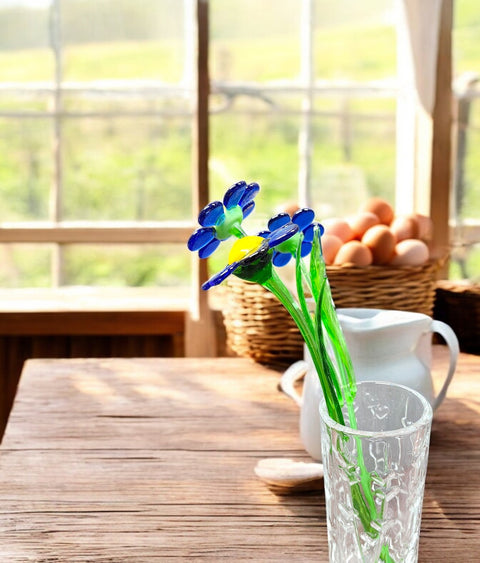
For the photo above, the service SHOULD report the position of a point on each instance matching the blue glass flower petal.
(234, 194)
(263, 234)
(303, 217)
(209, 249)
(200, 238)
(306, 249)
(249, 195)
(210, 214)
(248, 209)
(220, 276)
(321, 227)
(280, 259)
(308, 233)
(282, 234)
(278, 221)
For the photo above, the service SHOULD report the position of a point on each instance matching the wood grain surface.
(133, 460)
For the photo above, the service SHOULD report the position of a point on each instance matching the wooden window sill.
(93, 311)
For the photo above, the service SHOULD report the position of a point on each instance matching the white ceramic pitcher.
(384, 345)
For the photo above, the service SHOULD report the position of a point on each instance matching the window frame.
(433, 184)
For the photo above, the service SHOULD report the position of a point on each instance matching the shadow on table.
(452, 491)
(458, 433)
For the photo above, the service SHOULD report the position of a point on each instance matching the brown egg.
(405, 226)
(425, 226)
(410, 252)
(353, 252)
(338, 227)
(381, 242)
(361, 222)
(330, 246)
(382, 209)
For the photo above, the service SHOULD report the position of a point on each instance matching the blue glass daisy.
(304, 220)
(221, 220)
(250, 257)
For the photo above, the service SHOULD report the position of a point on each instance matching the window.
(97, 101)
(96, 104)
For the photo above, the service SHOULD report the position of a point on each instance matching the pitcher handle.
(292, 374)
(452, 342)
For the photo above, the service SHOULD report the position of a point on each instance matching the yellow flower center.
(243, 247)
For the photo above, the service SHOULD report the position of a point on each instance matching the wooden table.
(124, 460)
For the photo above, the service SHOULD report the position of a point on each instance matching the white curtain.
(418, 29)
(419, 26)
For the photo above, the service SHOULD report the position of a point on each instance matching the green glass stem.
(385, 555)
(305, 275)
(237, 230)
(335, 333)
(301, 274)
(362, 496)
(328, 367)
(281, 292)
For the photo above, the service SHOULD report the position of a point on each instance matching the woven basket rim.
(459, 286)
(432, 263)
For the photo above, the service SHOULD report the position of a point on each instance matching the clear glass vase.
(375, 475)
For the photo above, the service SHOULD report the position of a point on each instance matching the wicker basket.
(257, 326)
(458, 305)
(406, 288)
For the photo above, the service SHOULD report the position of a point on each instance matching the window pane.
(26, 168)
(466, 207)
(110, 141)
(127, 169)
(24, 42)
(465, 37)
(25, 265)
(465, 210)
(354, 154)
(355, 40)
(249, 43)
(127, 265)
(256, 144)
(28, 265)
(26, 72)
(468, 165)
(123, 39)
